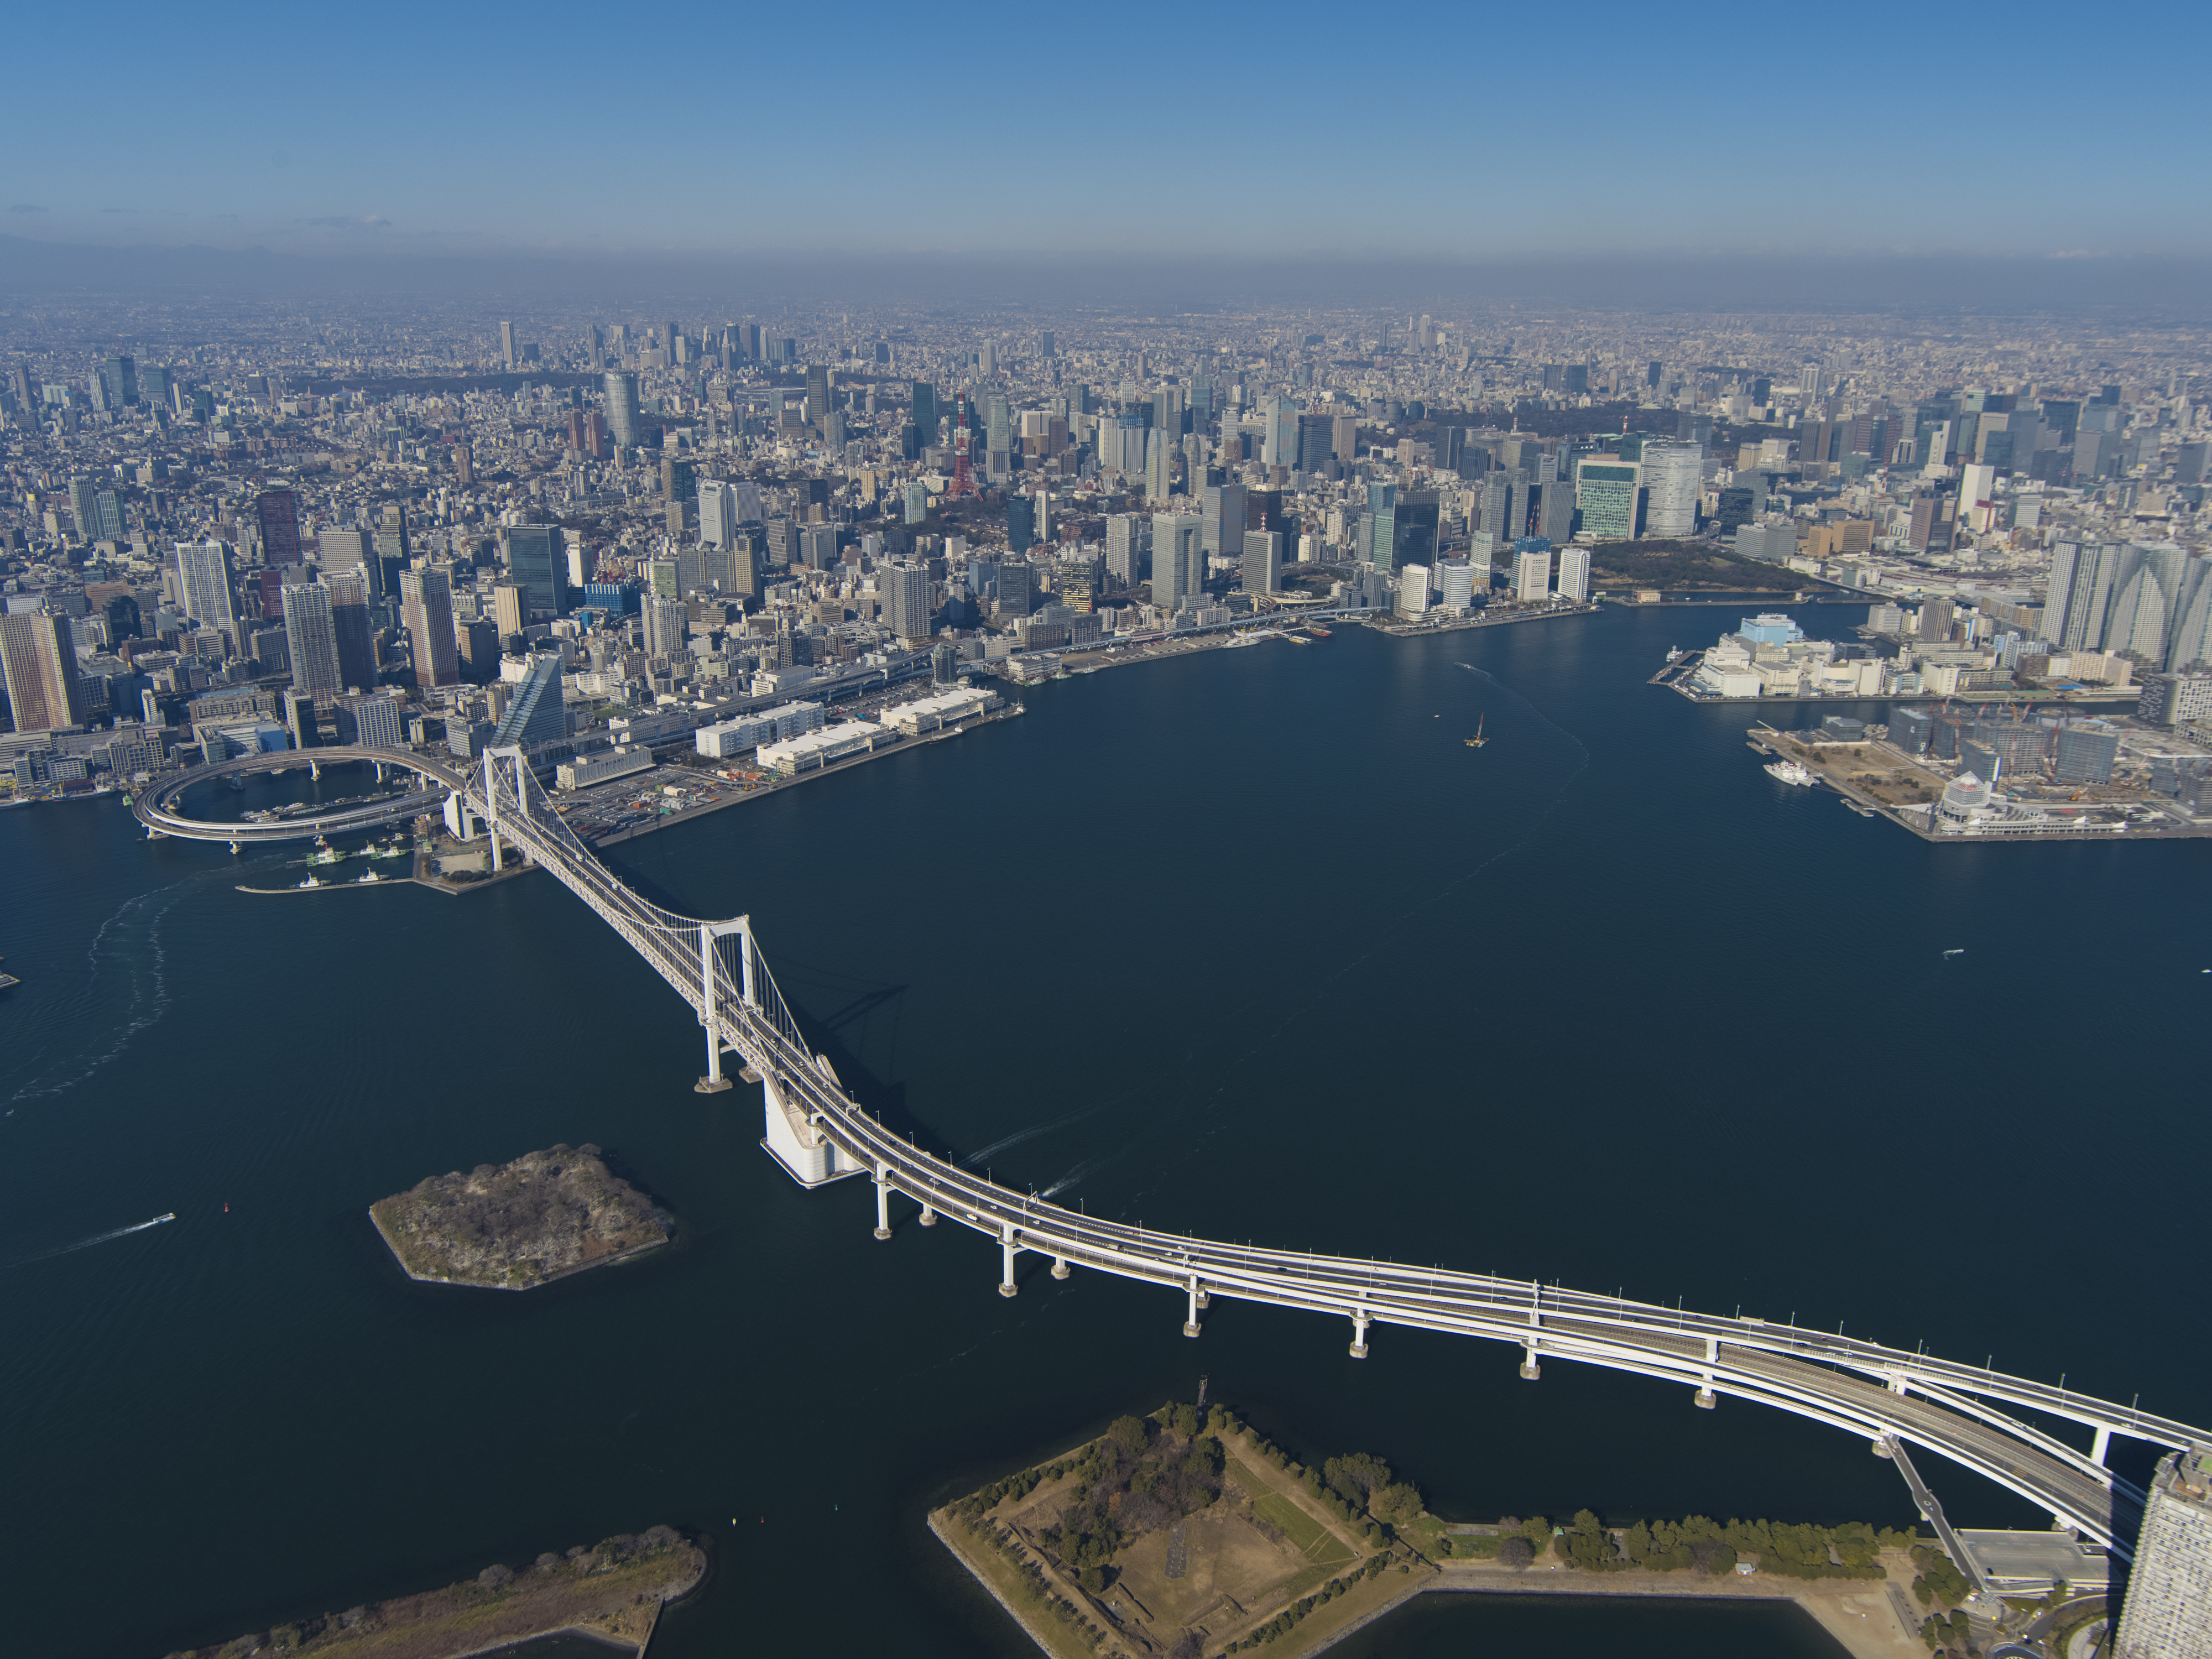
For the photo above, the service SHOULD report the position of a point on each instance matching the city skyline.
(552, 132)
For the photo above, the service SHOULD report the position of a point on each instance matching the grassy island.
(612, 1592)
(511, 1226)
(1188, 1536)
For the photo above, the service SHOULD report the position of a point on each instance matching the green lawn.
(1313, 1539)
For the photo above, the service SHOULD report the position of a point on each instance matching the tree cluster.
(1940, 1582)
(1694, 1544)
(1947, 1633)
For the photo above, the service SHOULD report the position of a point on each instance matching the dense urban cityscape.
(605, 540)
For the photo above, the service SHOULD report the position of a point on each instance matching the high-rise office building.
(538, 559)
(1262, 556)
(1160, 466)
(1178, 559)
(1280, 440)
(119, 377)
(311, 637)
(2080, 594)
(2171, 1585)
(376, 722)
(204, 574)
(906, 601)
(1605, 493)
(277, 512)
(1223, 520)
(1414, 591)
(718, 513)
(1673, 475)
(426, 609)
(84, 507)
(1125, 548)
(623, 414)
(667, 625)
(356, 644)
(1532, 574)
(1574, 575)
(1316, 442)
(817, 393)
(535, 714)
(38, 657)
(510, 609)
(345, 549)
(506, 346)
(1380, 524)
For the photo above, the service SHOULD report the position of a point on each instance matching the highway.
(1956, 1411)
(154, 806)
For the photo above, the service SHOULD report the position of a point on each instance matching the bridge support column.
(234, 850)
(1190, 1326)
(1006, 1285)
(1530, 1370)
(882, 1202)
(315, 771)
(1704, 1395)
(1359, 1323)
(496, 863)
(928, 1216)
(2104, 1442)
(1059, 1269)
(713, 1082)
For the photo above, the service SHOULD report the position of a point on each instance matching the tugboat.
(1478, 739)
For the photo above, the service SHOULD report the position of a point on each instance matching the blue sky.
(1136, 128)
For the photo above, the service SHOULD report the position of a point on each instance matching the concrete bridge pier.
(882, 1202)
(928, 1216)
(2103, 1444)
(1704, 1395)
(1359, 1323)
(315, 770)
(1060, 1266)
(234, 850)
(1530, 1370)
(1006, 1285)
(1190, 1326)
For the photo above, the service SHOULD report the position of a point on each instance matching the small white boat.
(1961, 952)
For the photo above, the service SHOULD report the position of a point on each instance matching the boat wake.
(128, 944)
(86, 1244)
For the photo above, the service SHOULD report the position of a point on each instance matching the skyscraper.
(1532, 577)
(1380, 523)
(277, 512)
(1125, 548)
(666, 625)
(2080, 593)
(1160, 448)
(537, 558)
(204, 572)
(1574, 575)
(1672, 472)
(426, 609)
(120, 377)
(1281, 442)
(311, 637)
(2171, 1587)
(506, 345)
(1178, 559)
(622, 405)
(1222, 518)
(1262, 558)
(349, 591)
(906, 601)
(84, 507)
(1605, 493)
(38, 655)
(817, 392)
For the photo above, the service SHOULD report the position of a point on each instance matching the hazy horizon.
(1610, 134)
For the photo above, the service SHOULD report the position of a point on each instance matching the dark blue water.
(1248, 942)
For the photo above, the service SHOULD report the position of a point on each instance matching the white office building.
(1532, 575)
(1413, 590)
(1574, 575)
(1673, 472)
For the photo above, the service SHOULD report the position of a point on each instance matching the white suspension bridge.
(1896, 1399)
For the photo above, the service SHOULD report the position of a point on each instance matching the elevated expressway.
(155, 806)
(1891, 1397)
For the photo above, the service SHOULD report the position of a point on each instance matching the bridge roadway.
(154, 806)
(1956, 1411)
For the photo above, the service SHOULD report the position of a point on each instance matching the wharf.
(1859, 799)
(1482, 619)
(1674, 677)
